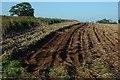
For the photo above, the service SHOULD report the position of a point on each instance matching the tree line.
(25, 9)
(107, 21)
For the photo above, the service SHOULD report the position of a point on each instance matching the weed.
(62, 73)
(99, 67)
(85, 68)
(12, 68)
(102, 73)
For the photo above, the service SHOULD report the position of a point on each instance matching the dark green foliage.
(12, 68)
(105, 21)
(119, 20)
(22, 9)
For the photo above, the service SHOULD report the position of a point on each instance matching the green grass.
(12, 24)
(12, 68)
(102, 73)
(0, 69)
(62, 73)
(97, 67)
(86, 69)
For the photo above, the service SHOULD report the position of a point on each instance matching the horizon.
(81, 11)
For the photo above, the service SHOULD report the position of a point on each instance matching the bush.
(105, 21)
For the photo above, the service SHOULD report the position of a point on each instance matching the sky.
(82, 11)
(61, 0)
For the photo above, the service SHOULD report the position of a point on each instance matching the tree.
(119, 20)
(105, 21)
(22, 9)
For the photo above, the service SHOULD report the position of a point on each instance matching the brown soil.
(76, 49)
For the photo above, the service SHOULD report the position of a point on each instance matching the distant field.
(59, 49)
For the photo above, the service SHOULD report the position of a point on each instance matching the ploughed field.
(85, 50)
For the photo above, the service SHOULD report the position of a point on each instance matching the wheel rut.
(72, 48)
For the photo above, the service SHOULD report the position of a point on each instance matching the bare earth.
(84, 50)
